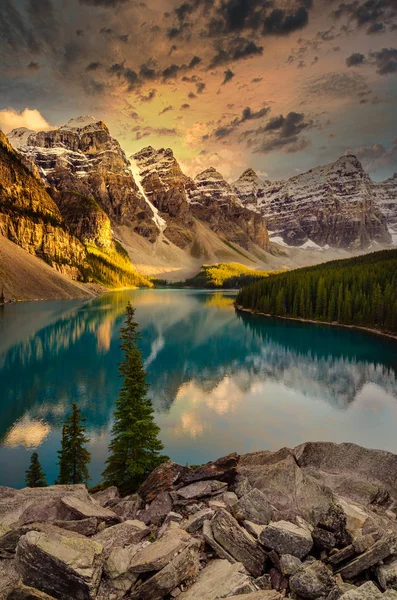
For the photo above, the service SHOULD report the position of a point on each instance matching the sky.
(277, 85)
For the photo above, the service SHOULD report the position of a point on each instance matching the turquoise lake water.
(220, 381)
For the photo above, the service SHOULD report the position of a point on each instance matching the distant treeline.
(219, 276)
(358, 291)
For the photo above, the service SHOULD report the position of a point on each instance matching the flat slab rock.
(81, 509)
(161, 480)
(367, 591)
(63, 567)
(200, 489)
(382, 549)
(121, 535)
(223, 469)
(238, 542)
(287, 538)
(259, 595)
(182, 567)
(158, 554)
(219, 579)
(24, 592)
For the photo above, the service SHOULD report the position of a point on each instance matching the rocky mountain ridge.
(315, 522)
(336, 205)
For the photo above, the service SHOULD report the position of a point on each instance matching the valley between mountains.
(80, 216)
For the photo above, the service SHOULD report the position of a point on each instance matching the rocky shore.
(314, 522)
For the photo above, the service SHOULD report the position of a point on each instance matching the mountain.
(334, 206)
(386, 196)
(209, 199)
(30, 218)
(68, 231)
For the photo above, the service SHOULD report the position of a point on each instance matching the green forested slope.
(358, 291)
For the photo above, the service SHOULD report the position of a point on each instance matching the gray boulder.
(386, 574)
(158, 554)
(85, 509)
(211, 541)
(61, 566)
(367, 591)
(85, 527)
(237, 542)
(104, 496)
(183, 566)
(117, 566)
(287, 538)
(254, 507)
(158, 509)
(121, 535)
(312, 581)
(219, 579)
(200, 489)
(260, 595)
(289, 564)
(195, 522)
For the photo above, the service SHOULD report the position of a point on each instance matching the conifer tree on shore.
(35, 476)
(135, 447)
(73, 456)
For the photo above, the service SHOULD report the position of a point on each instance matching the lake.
(220, 381)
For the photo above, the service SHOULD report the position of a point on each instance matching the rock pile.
(316, 522)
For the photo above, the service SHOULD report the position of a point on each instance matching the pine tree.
(73, 456)
(135, 447)
(35, 476)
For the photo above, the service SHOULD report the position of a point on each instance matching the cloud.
(377, 156)
(142, 132)
(281, 133)
(103, 3)
(336, 85)
(247, 115)
(233, 50)
(29, 118)
(385, 60)
(228, 76)
(33, 66)
(93, 66)
(355, 59)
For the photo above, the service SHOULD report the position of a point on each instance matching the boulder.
(241, 485)
(123, 534)
(312, 581)
(335, 521)
(367, 591)
(200, 489)
(237, 542)
(161, 480)
(353, 472)
(341, 555)
(126, 508)
(85, 527)
(158, 554)
(117, 566)
(104, 496)
(82, 509)
(289, 564)
(9, 577)
(24, 592)
(379, 551)
(230, 499)
(386, 574)
(288, 488)
(61, 566)
(9, 542)
(42, 502)
(287, 538)
(184, 566)
(210, 540)
(158, 509)
(254, 507)
(219, 579)
(223, 469)
(323, 539)
(356, 516)
(195, 522)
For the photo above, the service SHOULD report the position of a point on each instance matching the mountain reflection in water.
(220, 381)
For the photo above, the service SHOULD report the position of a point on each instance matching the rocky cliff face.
(213, 200)
(314, 522)
(81, 157)
(30, 218)
(251, 189)
(386, 197)
(208, 198)
(332, 206)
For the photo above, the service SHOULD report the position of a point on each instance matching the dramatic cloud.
(247, 115)
(376, 157)
(233, 50)
(384, 60)
(336, 85)
(31, 119)
(283, 133)
(370, 14)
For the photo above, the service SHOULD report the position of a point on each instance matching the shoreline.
(312, 321)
